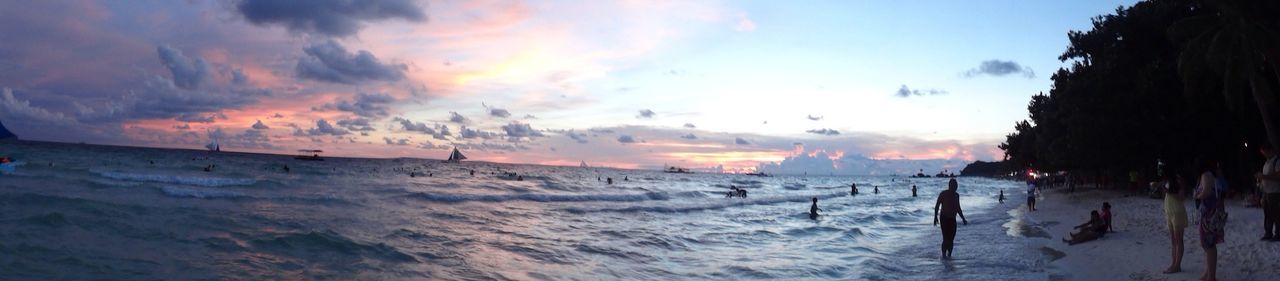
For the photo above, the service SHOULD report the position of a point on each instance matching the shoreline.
(1139, 249)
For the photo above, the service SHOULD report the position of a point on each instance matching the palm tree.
(1239, 41)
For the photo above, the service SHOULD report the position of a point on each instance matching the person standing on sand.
(1270, 179)
(1212, 218)
(1175, 216)
(949, 203)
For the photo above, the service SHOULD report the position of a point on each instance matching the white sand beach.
(1139, 247)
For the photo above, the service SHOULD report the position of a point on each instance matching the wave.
(726, 203)
(202, 194)
(312, 243)
(647, 196)
(177, 179)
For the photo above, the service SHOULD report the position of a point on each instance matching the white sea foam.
(177, 179)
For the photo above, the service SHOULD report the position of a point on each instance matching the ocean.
(75, 211)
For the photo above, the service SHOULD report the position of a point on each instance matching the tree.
(1239, 40)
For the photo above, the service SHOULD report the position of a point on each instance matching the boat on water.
(214, 146)
(315, 155)
(584, 165)
(676, 170)
(456, 156)
(758, 174)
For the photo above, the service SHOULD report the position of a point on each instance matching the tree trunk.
(1267, 106)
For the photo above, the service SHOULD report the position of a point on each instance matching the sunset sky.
(630, 84)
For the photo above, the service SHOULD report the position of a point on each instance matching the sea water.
(100, 212)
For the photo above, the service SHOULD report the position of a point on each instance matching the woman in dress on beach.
(1212, 219)
(1175, 214)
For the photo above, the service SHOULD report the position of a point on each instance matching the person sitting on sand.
(813, 209)
(1093, 229)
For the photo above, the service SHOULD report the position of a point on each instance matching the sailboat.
(456, 156)
(584, 165)
(213, 146)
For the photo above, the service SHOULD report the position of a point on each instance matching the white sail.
(584, 164)
(213, 146)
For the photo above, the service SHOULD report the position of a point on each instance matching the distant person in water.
(519, 178)
(949, 205)
(473, 173)
(625, 178)
(813, 209)
(286, 168)
(853, 189)
(913, 190)
(1001, 198)
(875, 189)
(609, 180)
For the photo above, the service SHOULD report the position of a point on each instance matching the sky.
(849, 87)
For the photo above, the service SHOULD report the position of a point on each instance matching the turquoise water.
(82, 212)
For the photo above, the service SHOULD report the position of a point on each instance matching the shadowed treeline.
(1168, 80)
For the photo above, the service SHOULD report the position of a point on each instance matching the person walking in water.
(1031, 194)
(813, 209)
(853, 188)
(875, 189)
(913, 190)
(949, 204)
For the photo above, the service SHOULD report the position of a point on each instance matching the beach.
(1139, 248)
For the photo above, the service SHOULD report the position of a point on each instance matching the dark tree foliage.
(1161, 80)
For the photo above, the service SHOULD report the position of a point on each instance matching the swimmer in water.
(813, 209)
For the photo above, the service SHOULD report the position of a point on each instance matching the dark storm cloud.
(469, 133)
(580, 138)
(260, 126)
(188, 73)
(327, 17)
(645, 114)
(500, 113)
(457, 118)
(908, 92)
(357, 124)
(1000, 68)
(365, 105)
(824, 131)
(324, 128)
(741, 141)
(196, 117)
(626, 139)
(330, 62)
(515, 131)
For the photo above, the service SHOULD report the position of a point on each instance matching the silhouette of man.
(949, 203)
